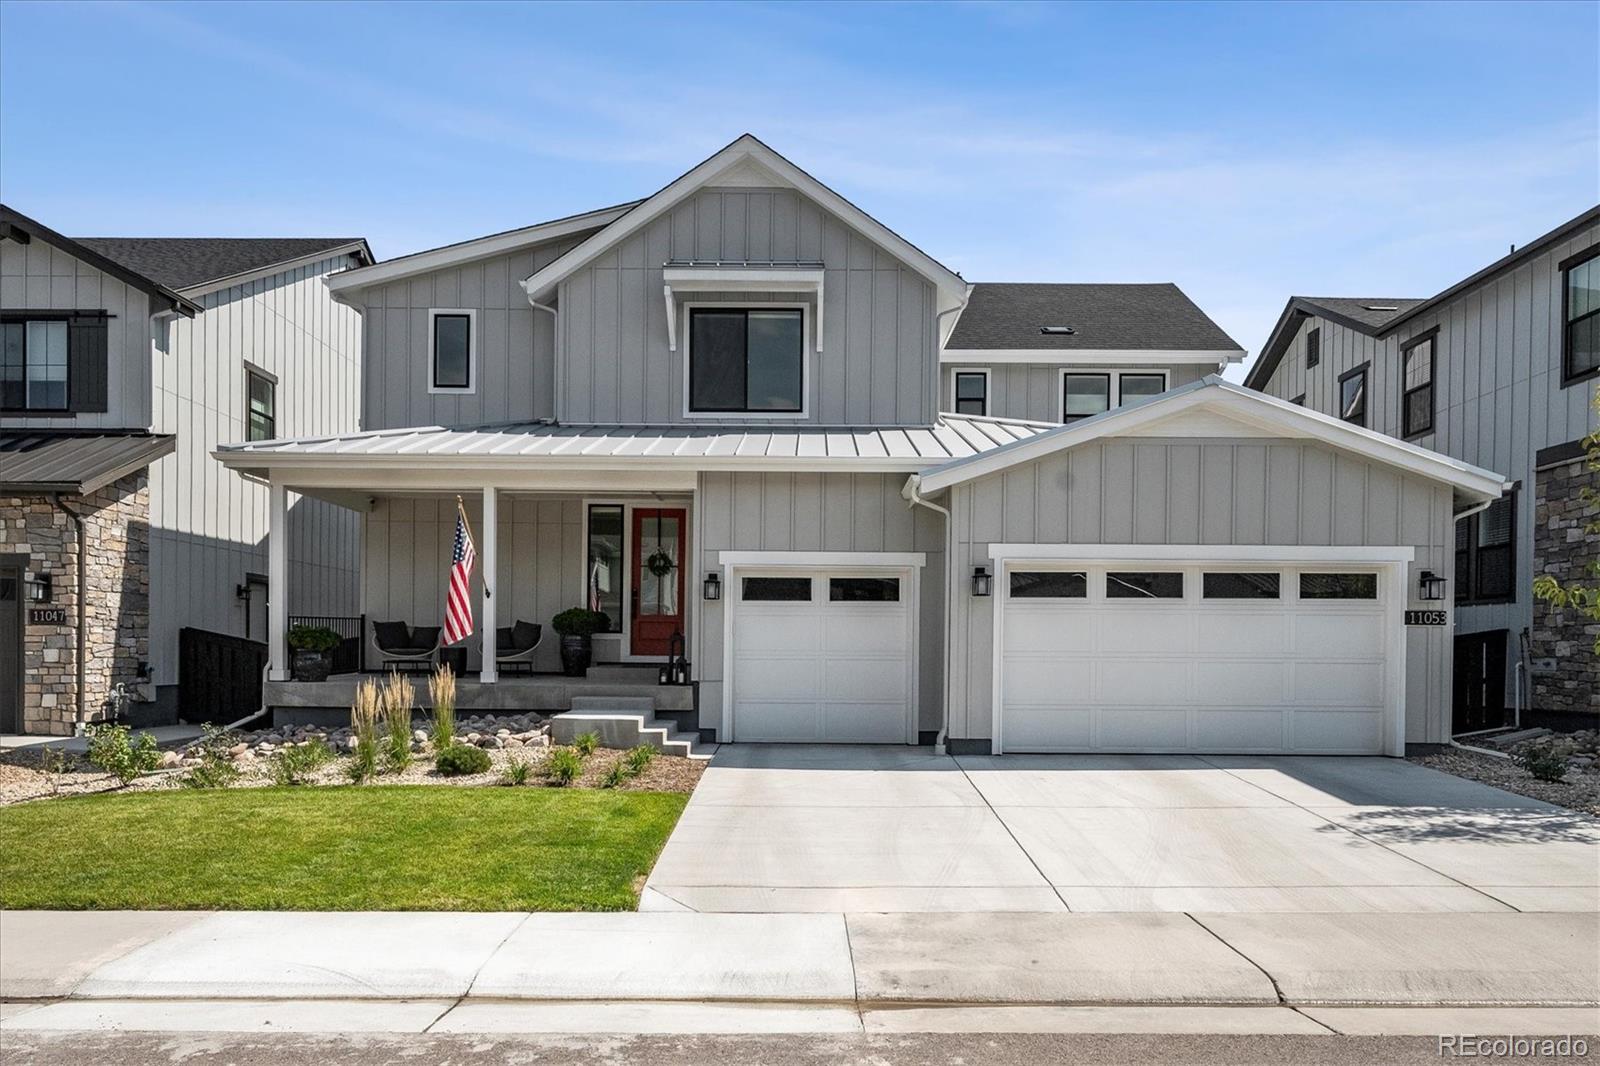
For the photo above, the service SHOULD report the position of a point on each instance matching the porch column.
(277, 582)
(491, 575)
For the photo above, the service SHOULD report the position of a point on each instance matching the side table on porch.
(455, 658)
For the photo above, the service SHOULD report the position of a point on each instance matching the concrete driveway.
(861, 829)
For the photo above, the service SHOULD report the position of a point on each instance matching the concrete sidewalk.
(860, 960)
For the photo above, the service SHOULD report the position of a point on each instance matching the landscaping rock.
(238, 749)
(419, 735)
(169, 759)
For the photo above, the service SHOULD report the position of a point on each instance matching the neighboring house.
(717, 412)
(126, 361)
(1500, 370)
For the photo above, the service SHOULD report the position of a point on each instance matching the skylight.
(1057, 329)
(1379, 307)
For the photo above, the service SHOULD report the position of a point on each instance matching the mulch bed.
(1580, 791)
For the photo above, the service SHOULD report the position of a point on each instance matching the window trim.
(955, 397)
(1565, 267)
(1366, 395)
(432, 369)
(1313, 347)
(1113, 386)
(806, 354)
(25, 317)
(1469, 597)
(251, 370)
(1430, 338)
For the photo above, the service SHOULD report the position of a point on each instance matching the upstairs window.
(261, 406)
(972, 392)
(1353, 396)
(746, 360)
(1416, 387)
(1313, 347)
(1083, 395)
(1580, 301)
(1486, 554)
(34, 365)
(1136, 388)
(453, 348)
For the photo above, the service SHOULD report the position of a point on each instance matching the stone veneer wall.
(1565, 550)
(116, 522)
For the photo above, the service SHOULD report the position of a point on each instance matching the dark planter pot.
(575, 652)
(311, 665)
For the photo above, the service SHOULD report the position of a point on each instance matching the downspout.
(914, 499)
(555, 359)
(80, 664)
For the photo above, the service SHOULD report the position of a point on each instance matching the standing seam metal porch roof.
(896, 447)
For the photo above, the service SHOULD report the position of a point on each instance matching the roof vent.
(1379, 307)
(1057, 329)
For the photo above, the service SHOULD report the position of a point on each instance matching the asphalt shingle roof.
(1159, 317)
(182, 262)
(1371, 311)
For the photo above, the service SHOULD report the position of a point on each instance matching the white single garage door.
(822, 656)
(1134, 657)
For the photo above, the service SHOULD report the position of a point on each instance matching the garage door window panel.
(1228, 585)
(864, 589)
(1144, 585)
(1049, 585)
(1315, 586)
(776, 590)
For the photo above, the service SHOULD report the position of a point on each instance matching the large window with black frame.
(1416, 385)
(746, 360)
(1580, 302)
(1353, 396)
(1486, 554)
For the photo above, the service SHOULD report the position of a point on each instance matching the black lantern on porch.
(1430, 586)
(982, 585)
(712, 589)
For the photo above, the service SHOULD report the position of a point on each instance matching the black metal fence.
(350, 656)
(219, 676)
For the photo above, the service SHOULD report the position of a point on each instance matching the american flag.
(458, 603)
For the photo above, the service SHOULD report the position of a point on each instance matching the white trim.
(1219, 357)
(472, 351)
(806, 359)
(988, 388)
(821, 559)
(737, 279)
(489, 576)
(478, 248)
(1391, 562)
(1113, 386)
(337, 251)
(747, 147)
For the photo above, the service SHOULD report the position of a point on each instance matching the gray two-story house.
(1499, 369)
(731, 416)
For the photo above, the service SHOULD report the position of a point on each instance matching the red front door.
(657, 578)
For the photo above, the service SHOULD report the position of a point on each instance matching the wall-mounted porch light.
(40, 586)
(1430, 586)
(981, 583)
(712, 590)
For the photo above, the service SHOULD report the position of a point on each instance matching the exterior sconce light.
(712, 589)
(981, 582)
(1430, 586)
(39, 586)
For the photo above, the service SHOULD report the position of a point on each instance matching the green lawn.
(371, 848)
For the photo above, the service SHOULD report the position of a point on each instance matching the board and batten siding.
(1032, 391)
(515, 344)
(1498, 396)
(540, 549)
(878, 364)
(1198, 491)
(41, 277)
(809, 512)
(209, 524)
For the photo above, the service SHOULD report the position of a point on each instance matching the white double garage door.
(1148, 657)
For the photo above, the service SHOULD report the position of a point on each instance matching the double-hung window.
(1136, 388)
(1486, 554)
(746, 360)
(261, 406)
(1353, 395)
(1084, 395)
(972, 392)
(453, 350)
(1580, 304)
(34, 365)
(1416, 386)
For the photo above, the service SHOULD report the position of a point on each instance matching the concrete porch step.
(625, 727)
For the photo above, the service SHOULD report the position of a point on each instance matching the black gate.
(219, 677)
(1480, 682)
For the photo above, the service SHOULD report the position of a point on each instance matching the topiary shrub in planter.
(460, 759)
(577, 625)
(313, 652)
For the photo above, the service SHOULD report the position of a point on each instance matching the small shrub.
(313, 638)
(113, 750)
(1545, 759)
(586, 743)
(517, 771)
(364, 714)
(54, 762)
(580, 622)
(461, 759)
(215, 769)
(617, 776)
(295, 764)
(638, 759)
(563, 766)
(442, 691)
(398, 698)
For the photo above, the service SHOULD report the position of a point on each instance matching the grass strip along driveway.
(370, 848)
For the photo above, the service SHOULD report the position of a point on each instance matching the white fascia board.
(355, 462)
(478, 248)
(1201, 554)
(733, 559)
(743, 279)
(205, 288)
(541, 283)
(1217, 357)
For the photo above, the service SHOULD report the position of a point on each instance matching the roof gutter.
(914, 498)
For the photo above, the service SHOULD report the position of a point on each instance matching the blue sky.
(1245, 151)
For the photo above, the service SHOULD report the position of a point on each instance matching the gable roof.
(189, 262)
(1158, 317)
(745, 150)
(511, 240)
(14, 225)
(1248, 407)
